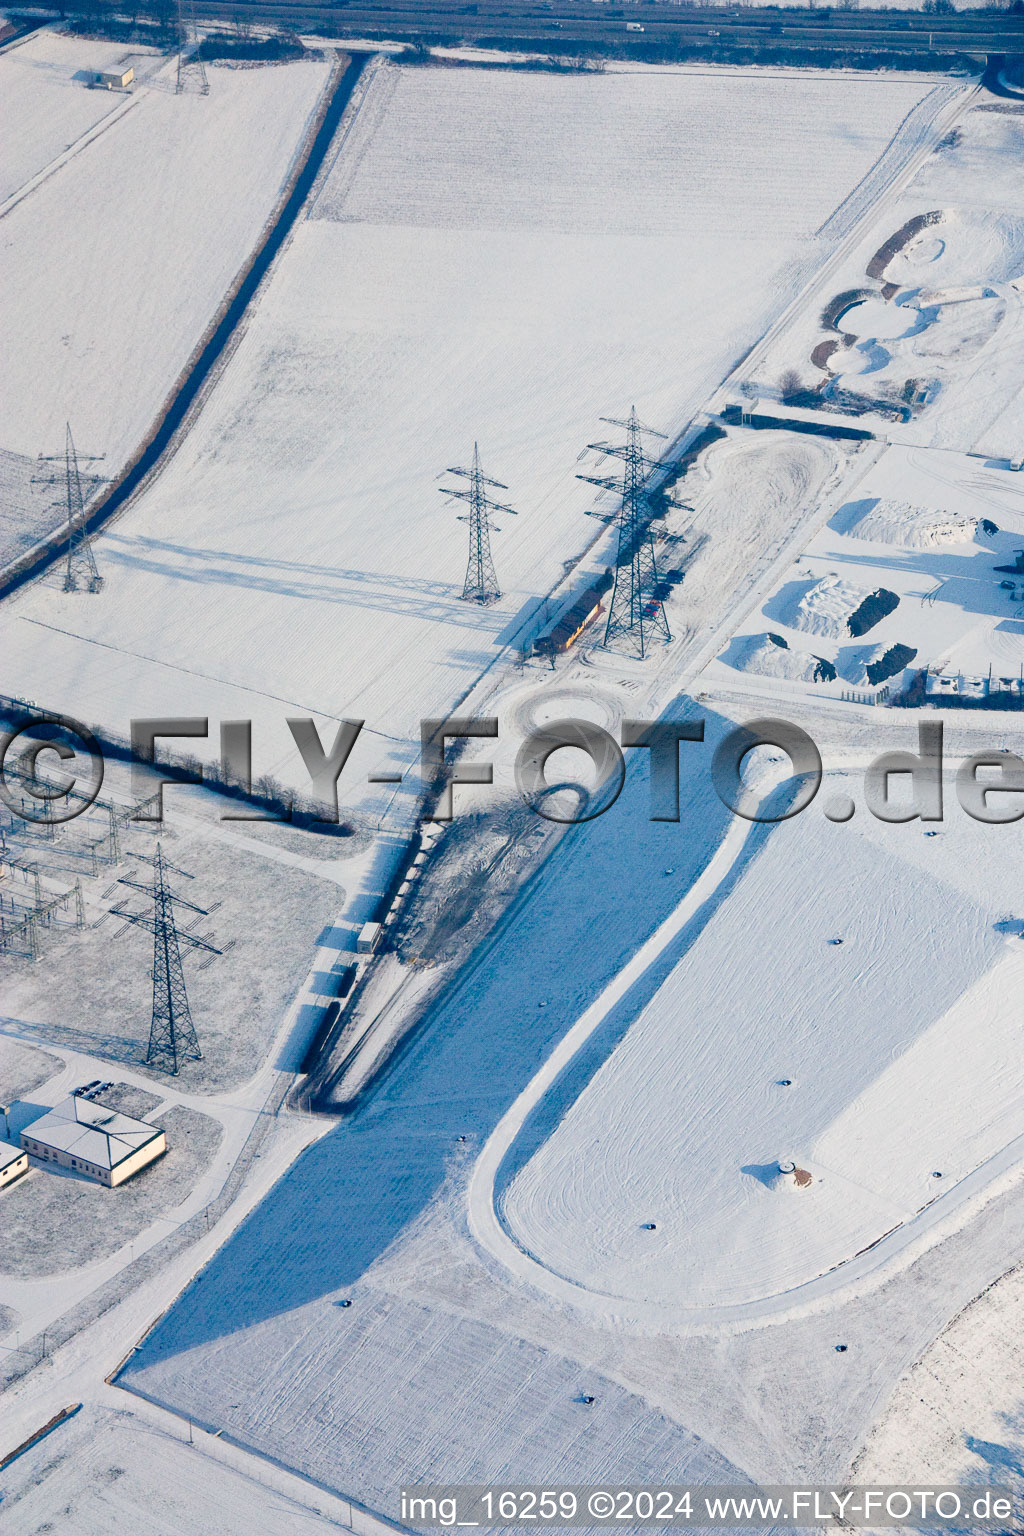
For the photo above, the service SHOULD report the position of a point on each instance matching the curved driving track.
(566, 1226)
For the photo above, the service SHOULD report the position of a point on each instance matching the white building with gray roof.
(90, 1139)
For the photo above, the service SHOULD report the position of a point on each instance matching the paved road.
(565, 21)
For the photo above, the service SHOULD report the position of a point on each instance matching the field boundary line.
(73, 150)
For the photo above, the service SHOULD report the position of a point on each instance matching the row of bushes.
(266, 794)
(572, 52)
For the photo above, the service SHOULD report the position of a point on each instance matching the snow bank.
(750, 173)
(397, 1379)
(978, 246)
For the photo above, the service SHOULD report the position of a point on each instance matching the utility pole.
(481, 584)
(172, 1034)
(636, 613)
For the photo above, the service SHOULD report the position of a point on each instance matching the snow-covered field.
(113, 266)
(492, 257)
(686, 1121)
(106, 1471)
(610, 1082)
(49, 107)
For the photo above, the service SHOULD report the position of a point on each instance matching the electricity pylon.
(481, 584)
(191, 69)
(172, 1034)
(80, 571)
(636, 613)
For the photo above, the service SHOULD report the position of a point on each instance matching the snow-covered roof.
(98, 1135)
(9, 1154)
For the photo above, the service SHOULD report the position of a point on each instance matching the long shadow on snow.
(605, 889)
(575, 1077)
(378, 593)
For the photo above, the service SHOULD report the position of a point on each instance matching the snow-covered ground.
(105, 1471)
(114, 265)
(957, 1416)
(260, 1344)
(56, 1222)
(686, 1121)
(951, 317)
(270, 908)
(446, 1364)
(92, 992)
(50, 107)
(492, 257)
(292, 556)
(930, 527)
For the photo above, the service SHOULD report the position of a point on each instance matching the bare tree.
(790, 384)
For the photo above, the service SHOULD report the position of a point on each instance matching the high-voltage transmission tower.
(172, 1034)
(191, 69)
(636, 613)
(481, 584)
(80, 571)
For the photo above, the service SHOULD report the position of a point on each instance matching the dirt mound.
(899, 522)
(769, 655)
(901, 240)
(873, 664)
(824, 607)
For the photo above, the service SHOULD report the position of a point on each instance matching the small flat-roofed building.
(370, 935)
(114, 79)
(93, 1140)
(13, 1163)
